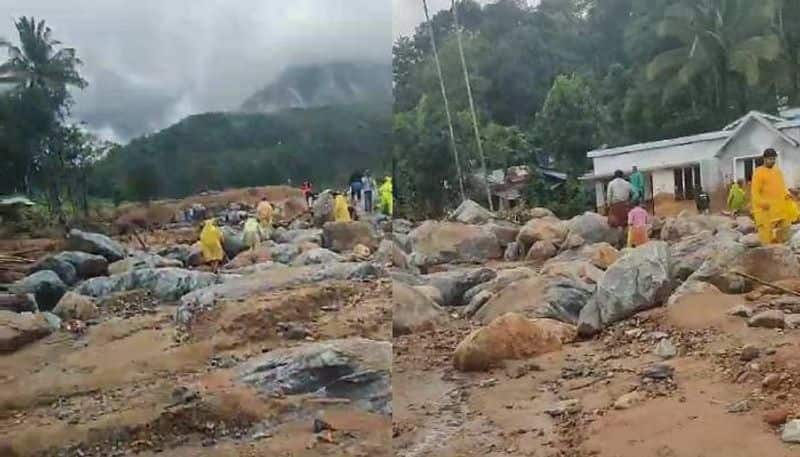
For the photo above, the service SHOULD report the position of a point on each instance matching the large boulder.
(205, 298)
(769, 263)
(46, 287)
(322, 209)
(344, 236)
(542, 229)
(86, 265)
(593, 228)
(506, 232)
(435, 243)
(179, 252)
(317, 256)
(577, 269)
(455, 283)
(511, 336)
(469, 212)
(413, 311)
(20, 329)
(477, 296)
(638, 281)
(284, 252)
(298, 236)
(539, 213)
(689, 254)
(232, 242)
(402, 226)
(556, 297)
(356, 368)
(390, 253)
(676, 228)
(65, 270)
(139, 260)
(541, 251)
(250, 257)
(18, 303)
(95, 243)
(164, 283)
(76, 306)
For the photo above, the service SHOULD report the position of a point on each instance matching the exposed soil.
(134, 384)
(441, 412)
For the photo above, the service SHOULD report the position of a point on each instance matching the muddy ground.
(713, 406)
(134, 384)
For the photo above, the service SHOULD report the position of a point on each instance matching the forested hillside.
(567, 76)
(218, 150)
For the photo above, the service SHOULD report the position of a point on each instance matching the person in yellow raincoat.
(774, 210)
(341, 212)
(386, 197)
(211, 244)
(264, 214)
(252, 234)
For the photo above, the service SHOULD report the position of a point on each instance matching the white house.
(675, 168)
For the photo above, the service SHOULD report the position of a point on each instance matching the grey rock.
(65, 270)
(255, 268)
(322, 209)
(506, 232)
(299, 236)
(357, 369)
(740, 311)
(689, 253)
(52, 320)
(638, 281)
(179, 252)
(469, 212)
(204, 298)
(745, 225)
(86, 265)
(479, 295)
(454, 284)
(344, 236)
(769, 263)
(284, 253)
(539, 212)
(592, 228)
(46, 287)
(751, 240)
(768, 319)
(513, 252)
(436, 243)
(665, 349)
(792, 321)
(232, 242)
(658, 371)
(20, 329)
(690, 288)
(164, 283)
(749, 353)
(413, 311)
(139, 260)
(18, 303)
(564, 407)
(402, 226)
(76, 306)
(791, 432)
(741, 406)
(316, 256)
(95, 243)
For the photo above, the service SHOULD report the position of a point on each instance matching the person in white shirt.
(618, 199)
(368, 186)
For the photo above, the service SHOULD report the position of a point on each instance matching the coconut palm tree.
(40, 62)
(726, 41)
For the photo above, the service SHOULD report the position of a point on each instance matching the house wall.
(651, 159)
(751, 142)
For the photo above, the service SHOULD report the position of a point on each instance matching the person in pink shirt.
(637, 225)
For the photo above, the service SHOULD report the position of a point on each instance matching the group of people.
(772, 205)
(256, 229)
(363, 188)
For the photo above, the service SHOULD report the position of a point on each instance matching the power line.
(446, 103)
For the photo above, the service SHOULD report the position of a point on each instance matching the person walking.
(264, 212)
(355, 187)
(737, 199)
(368, 186)
(341, 213)
(774, 210)
(637, 225)
(618, 198)
(211, 244)
(637, 185)
(386, 196)
(703, 201)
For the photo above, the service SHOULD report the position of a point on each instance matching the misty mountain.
(319, 85)
(224, 150)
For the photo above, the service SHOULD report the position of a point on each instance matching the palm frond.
(746, 57)
(667, 63)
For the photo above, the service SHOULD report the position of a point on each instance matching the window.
(750, 165)
(687, 181)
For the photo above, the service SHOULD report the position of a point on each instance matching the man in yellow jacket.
(774, 210)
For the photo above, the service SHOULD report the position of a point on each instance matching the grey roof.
(727, 132)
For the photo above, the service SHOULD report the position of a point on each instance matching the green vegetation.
(568, 76)
(220, 150)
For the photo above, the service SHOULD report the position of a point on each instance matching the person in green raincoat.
(737, 199)
(637, 185)
(386, 196)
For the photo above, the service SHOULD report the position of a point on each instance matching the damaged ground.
(284, 353)
(556, 352)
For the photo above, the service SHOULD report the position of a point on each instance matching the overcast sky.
(152, 62)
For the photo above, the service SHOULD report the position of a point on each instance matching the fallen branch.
(768, 284)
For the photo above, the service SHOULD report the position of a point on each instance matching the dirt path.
(440, 412)
(137, 384)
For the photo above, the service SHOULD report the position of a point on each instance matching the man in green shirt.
(637, 185)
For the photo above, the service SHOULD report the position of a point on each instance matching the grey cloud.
(151, 62)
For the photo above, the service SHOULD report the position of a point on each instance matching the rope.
(472, 105)
(446, 103)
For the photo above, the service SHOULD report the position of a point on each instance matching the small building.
(674, 169)
(509, 187)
